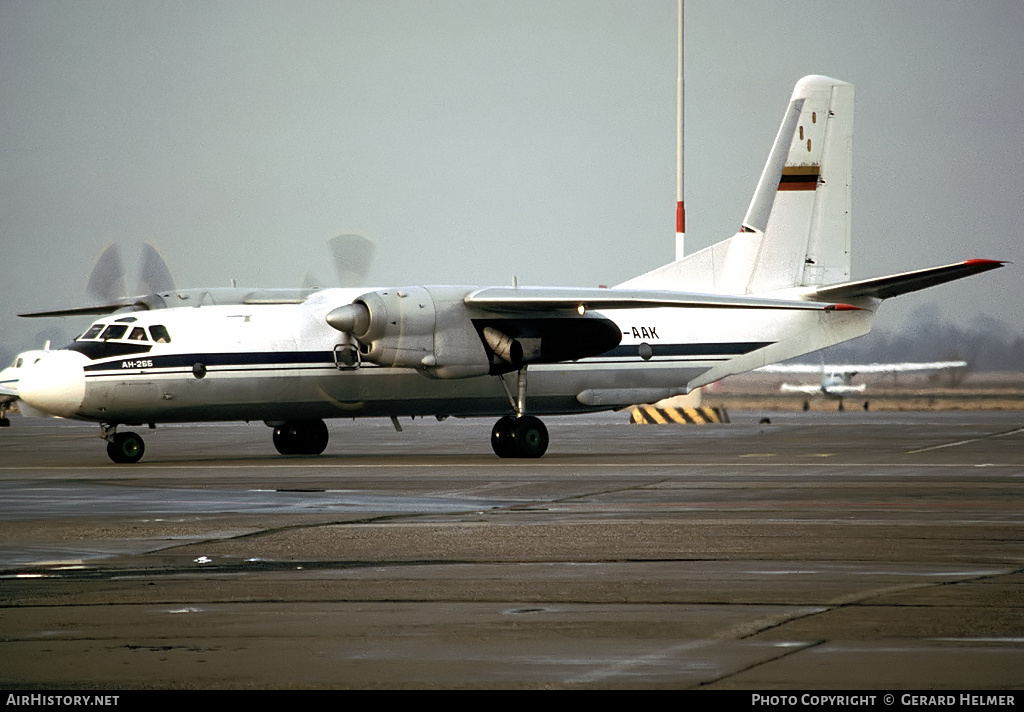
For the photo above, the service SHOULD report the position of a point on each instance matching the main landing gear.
(522, 435)
(301, 437)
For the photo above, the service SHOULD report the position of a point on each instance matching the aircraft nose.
(55, 384)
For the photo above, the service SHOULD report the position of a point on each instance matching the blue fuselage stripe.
(257, 360)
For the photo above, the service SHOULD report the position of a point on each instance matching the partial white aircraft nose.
(55, 384)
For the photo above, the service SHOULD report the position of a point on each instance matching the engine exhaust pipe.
(507, 348)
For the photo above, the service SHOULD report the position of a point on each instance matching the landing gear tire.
(520, 437)
(501, 437)
(126, 448)
(301, 437)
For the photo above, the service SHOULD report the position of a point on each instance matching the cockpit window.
(114, 331)
(160, 334)
(93, 331)
(18, 362)
(138, 334)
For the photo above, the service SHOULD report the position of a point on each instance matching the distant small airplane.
(836, 378)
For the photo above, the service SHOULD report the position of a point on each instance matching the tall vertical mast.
(680, 210)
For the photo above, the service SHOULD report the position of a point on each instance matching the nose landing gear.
(301, 437)
(123, 448)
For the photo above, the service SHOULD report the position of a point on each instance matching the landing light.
(581, 309)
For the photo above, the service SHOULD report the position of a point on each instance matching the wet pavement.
(818, 551)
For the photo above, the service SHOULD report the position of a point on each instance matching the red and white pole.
(680, 209)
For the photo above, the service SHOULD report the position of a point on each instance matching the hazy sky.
(477, 140)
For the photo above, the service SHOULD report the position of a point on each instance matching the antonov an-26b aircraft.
(777, 289)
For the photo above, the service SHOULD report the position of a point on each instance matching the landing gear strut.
(523, 435)
(301, 437)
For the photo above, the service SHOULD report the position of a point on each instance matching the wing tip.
(980, 262)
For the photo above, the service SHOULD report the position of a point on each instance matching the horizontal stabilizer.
(845, 390)
(815, 389)
(809, 389)
(545, 298)
(897, 284)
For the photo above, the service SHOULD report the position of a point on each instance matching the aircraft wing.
(797, 368)
(902, 367)
(185, 298)
(861, 367)
(95, 310)
(896, 284)
(8, 386)
(518, 299)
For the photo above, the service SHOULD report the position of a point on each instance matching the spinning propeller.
(107, 279)
(351, 253)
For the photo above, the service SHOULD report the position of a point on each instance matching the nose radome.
(55, 384)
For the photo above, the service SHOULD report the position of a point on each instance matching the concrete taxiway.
(818, 551)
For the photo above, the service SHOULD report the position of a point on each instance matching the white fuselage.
(277, 362)
(833, 385)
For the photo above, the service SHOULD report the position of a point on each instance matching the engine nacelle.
(415, 327)
(433, 330)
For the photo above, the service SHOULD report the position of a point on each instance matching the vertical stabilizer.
(806, 238)
(796, 231)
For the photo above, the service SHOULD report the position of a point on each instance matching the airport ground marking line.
(619, 668)
(785, 650)
(737, 632)
(965, 442)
